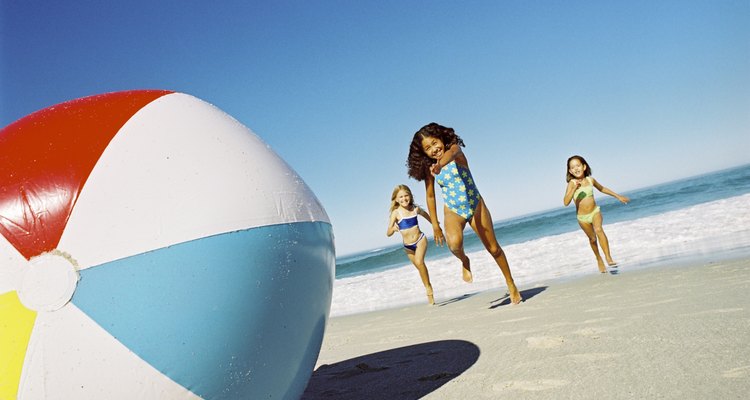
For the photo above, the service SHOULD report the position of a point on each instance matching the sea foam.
(721, 226)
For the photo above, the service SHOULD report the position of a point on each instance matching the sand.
(666, 332)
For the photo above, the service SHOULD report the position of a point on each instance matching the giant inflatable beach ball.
(152, 247)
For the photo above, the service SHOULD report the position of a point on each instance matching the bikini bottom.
(588, 218)
(413, 246)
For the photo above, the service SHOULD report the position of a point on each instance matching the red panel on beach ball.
(46, 159)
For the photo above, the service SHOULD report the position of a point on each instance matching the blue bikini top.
(408, 222)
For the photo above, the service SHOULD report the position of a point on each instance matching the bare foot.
(430, 298)
(515, 296)
(612, 263)
(602, 268)
(468, 278)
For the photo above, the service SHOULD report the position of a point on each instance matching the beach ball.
(153, 247)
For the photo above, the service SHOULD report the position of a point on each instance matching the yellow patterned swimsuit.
(581, 193)
(460, 194)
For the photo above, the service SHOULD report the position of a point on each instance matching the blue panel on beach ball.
(233, 310)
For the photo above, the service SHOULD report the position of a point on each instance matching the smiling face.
(433, 147)
(403, 198)
(577, 168)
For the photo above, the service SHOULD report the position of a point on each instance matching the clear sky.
(647, 91)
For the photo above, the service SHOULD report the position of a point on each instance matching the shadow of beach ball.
(153, 247)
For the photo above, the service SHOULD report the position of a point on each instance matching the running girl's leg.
(454, 234)
(481, 222)
(417, 258)
(603, 242)
(588, 229)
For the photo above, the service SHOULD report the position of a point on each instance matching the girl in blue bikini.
(581, 190)
(435, 156)
(404, 214)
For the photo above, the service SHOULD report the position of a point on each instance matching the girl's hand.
(624, 199)
(435, 168)
(439, 238)
(392, 229)
(571, 187)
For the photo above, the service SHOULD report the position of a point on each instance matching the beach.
(696, 217)
(677, 330)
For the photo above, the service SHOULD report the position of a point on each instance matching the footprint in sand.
(359, 369)
(530, 386)
(741, 372)
(437, 377)
(591, 332)
(544, 342)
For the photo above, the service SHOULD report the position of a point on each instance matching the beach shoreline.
(707, 230)
(678, 329)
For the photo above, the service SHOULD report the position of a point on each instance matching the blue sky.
(647, 91)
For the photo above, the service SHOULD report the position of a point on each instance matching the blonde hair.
(398, 188)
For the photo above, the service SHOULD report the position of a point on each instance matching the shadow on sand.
(526, 294)
(455, 299)
(409, 372)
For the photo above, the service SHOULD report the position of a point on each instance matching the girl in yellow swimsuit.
(581, 190)
(435, 156)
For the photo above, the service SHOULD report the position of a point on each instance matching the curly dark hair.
(418, 163)
(580, 159)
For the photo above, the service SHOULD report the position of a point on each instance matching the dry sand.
(667, 332)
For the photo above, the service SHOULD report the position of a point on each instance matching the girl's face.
(576, 168)
(403, 198)
(433, 147)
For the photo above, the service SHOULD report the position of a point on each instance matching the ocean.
(684, 219)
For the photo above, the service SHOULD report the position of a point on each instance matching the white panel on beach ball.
(153, 247)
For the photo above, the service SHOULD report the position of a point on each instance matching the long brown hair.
(418, 163)
(580, 159)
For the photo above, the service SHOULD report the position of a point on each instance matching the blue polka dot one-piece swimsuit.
(460, 194)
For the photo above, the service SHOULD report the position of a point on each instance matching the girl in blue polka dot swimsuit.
(460, 194)
(435, 155)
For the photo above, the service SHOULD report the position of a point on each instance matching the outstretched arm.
(424, 214)
(429, 187)
(573, 185)
(392, 225)
(610, 192)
